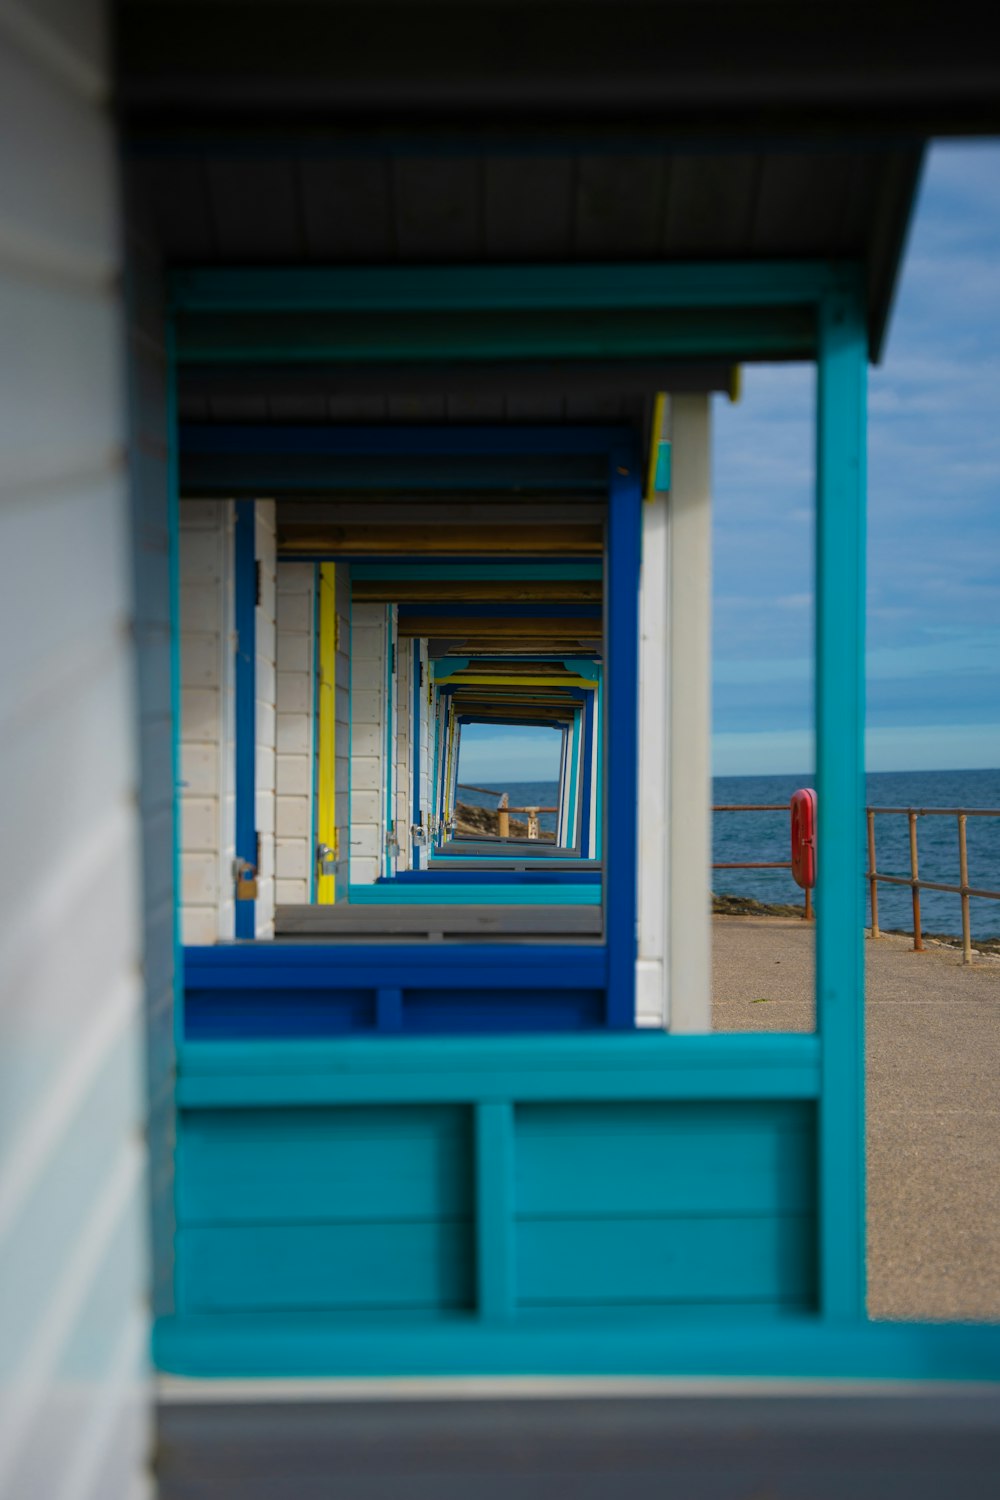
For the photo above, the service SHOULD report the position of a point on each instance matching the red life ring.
(804, 837)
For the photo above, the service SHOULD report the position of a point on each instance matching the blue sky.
(934, 518)
(494, 756)
(934, 514)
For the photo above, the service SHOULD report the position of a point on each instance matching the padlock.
(246, 881)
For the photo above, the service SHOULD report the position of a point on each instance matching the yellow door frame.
(326, 733)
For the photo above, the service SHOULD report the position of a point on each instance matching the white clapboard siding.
(296, 616)
(266, 716)
(208, 715)
(73, 1233)
(370, 644)
(426, 747)
(342, 586)
(403, 738)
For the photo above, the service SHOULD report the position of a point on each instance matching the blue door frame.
(484, 1286)
(245, 588)
(215, 1008)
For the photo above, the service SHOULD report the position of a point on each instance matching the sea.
(522, 794)
(765, 836)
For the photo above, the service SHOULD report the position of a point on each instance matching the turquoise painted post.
(572, 820)
(494, 1123)
(840, 605)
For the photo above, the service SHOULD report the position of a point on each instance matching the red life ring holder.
(803, 807)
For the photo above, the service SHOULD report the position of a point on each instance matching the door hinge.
(259, 574)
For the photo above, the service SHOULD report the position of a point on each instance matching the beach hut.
(392, 290)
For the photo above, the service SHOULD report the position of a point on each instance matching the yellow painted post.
(326, 733)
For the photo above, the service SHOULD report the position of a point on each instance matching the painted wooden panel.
(321, 1165)
(666, 1203)
(440, 1012)
(685, 1260)
(288, 1010)
(665, 1159)
(336, 1267)
(284, 1011)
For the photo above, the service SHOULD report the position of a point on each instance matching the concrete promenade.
(933, 1103)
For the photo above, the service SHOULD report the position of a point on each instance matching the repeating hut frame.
(530, 1109)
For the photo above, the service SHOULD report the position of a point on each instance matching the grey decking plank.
(393, 920)
(698, 1447)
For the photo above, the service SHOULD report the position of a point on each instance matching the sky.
(492, 756)
(933, 661)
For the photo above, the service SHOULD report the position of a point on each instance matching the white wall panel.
(74, 1276)
(266, 683)
(689, 632)
(295, 730)
(208, 764)
(370, 644)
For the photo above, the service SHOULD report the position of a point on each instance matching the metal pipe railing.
(874, 876)
(913, 880)
(766, 864)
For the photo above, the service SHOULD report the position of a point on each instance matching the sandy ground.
(933, 1103)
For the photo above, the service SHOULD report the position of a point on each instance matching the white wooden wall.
(370, 643)
(208, 767)
(403, 740)
(673, 970)
(343, 717)
(296, 663)
(426, 730)
(73, 1251)
(267, 715)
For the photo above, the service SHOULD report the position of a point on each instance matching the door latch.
(326, 859)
